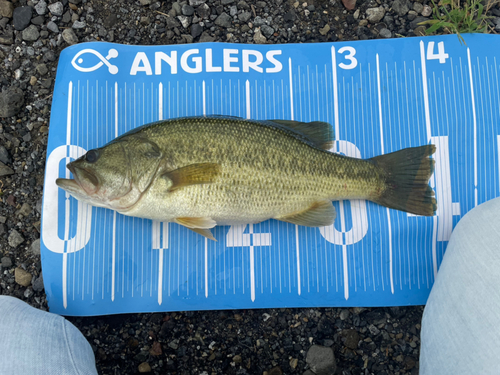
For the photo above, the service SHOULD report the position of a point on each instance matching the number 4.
(441, 55)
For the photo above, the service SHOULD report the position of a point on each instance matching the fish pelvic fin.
(407, 173)
(320, 214)
(201, 173)
(200, 225)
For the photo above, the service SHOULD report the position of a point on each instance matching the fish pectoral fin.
(319, 133)
(200, 225)
(320, 214)
(194, 174)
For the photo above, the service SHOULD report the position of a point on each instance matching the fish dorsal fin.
(200, 225)
(193, 174)
(320, 214)
(321, 134)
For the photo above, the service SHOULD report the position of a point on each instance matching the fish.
(205, 171)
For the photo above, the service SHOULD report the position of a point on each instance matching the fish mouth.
(85, 183)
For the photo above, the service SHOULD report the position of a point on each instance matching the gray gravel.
(269, 341)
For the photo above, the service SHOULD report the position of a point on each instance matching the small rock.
(42, 68)
(374, 15)
(344, 314)
(22, 17)
(173, 345)
(4, 155)
(324, 30)
(290, 16)
(427, 11)
(224, 20)
(41, 7)
(53, 27)
(15, 239)
(3, 228)
(195, 3)
(6, 9)
(145, 2)
(22, 277)
(294, 362)
(187, 38)
(7, 37)
(321, 360)
(69, 37)
(267, 31)
(415, 23)
(56, 9)
(187, 10)
(144, 367)
(258, 37)
(385, 33)
(196, 30)
(25, 209)
(206, 37)
(172, 23)
(349, 4)
(6, 262)
(237, 358)
(33, 80)
(38, 284)
(409, 363)
(155, 349)
(373, 330)
(31, 33)
(244, 16)
(28, 293)
(401, 7)
(38, 206)
(4, 170)
(418, 7)
(411, 15)
(185, 21)
(420, 31)
(351, 338)
(177, 8)
(203, 11)
(79, 24)
(227, 2)
(275, 371)
(35, 247)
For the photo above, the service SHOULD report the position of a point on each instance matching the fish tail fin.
(407, 173)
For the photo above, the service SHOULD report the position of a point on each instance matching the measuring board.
(380, 96)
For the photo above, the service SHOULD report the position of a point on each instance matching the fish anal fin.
(321, 134)
(320, 214)
(194, 174)
(205, 233)
(200, 225)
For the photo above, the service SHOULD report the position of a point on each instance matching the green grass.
(455, 17)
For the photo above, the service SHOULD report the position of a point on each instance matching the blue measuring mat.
(380, 96)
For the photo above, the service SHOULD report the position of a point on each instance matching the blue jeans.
(460, 333)
(37, 342)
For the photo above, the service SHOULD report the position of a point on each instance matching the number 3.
(350, 57)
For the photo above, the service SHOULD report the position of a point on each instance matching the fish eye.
(92, 156)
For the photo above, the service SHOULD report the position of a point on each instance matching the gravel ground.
(274, 341)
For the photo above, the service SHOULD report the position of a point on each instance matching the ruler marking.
(474, 122)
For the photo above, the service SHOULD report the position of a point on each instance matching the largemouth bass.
(206, 171)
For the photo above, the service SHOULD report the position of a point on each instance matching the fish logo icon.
(78, 60)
